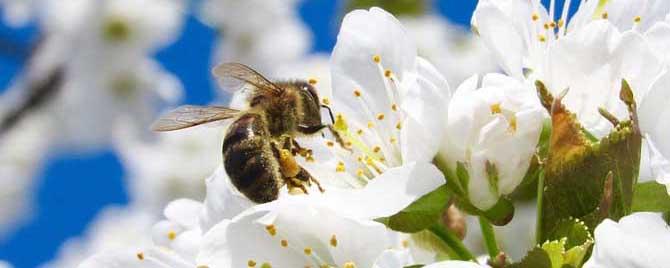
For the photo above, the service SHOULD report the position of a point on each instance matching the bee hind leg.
(294, 185)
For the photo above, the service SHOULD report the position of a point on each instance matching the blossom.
(293, 232)
(492, 129)
(383, 96)
(644, 237)
(456, 53)
(17, 13)
(590, 60)
(274, 37)
(173, 165)
(456, 264)
(653, 114)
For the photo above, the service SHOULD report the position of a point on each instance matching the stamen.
(605, 15)
(357, 93)
(140, 256)
(393, 140)
(349, 264)
(333, 241)
(542, 38)
(307, 251)
(380, 116)
(266, 265)
(394, 107)
(405, 244)
(284, 243)
(312, 81)
(377, 58)
(271, 229)
(172, 235)
(325, 101)
(330, 143)
(495, 108)
(387, 73)
(398, 126)
(637, 19)
(340, 167)
(376, 149)
(512, 124)
(371, 125)
(535, 17)
(251, 263)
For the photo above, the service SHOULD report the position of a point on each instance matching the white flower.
(493, 129)
(151, 258)
(653, 114)
(638, 240)
(22, 151)
(590, 57)
(455, 52)
(180, 231)
(115, 228)
(456, 264)
(386, 99)
(17, 13)
(175, 165)
(293, 232)
(274, 37)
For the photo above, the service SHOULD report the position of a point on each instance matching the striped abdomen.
(249, 160)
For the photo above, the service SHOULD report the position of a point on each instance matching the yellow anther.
(325, 101)
(405, 244)
(284, 243)
(360, 172)
(561, 23)
(376, 149)
(377, 58)
(340, 167)
(552, 24)
(266, 265)
(357, 93)
(310, 158)
(380, 116)
(172, 235)
(312, 81)
(349, 264)
(251, 263)
(382, 159)
(512, 124)
(604, 15)
(394, 107)
(398, 125)
(535, 17)
(271, 229)
(495, 108)
(388, 73)
(340, 123)
(333, 241)
(371, 125)
(392, 140)
(330, 143)
(348, 144)
(140, 256)
(542, 38)
(637, 19)
(359, 132)
(308, 251)
(546, 26)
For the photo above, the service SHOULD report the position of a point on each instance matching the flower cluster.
(566, 145)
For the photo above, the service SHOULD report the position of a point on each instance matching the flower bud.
(493, 130)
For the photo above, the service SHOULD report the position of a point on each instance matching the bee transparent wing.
(237, 76)
(189, 116)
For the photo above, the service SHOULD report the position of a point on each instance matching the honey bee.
(259, 146)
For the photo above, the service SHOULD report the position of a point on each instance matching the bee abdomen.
(249, 161)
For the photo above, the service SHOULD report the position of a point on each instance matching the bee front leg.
(304, 176)
(297, 149)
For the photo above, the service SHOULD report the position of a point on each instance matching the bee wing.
(189, 116)
(236, 76)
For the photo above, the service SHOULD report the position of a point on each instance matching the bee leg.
(297, 149)
(304, 176)
(338, 137)
(294, 184)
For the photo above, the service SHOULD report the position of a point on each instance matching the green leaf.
(573, 230)
(555, 250)
(421, 214)
(651, 196)
(585, 179)
(536, 258)
(395, 7)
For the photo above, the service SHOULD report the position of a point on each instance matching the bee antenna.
(330, 112)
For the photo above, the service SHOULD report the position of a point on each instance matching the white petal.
(388, 193)
(653, 112)
(152, 258)
(184, 211)
(223, 200)
(455, 264)
(659, 39)
(393, 259)
(645, 236)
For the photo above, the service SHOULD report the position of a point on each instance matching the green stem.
(489, 237)
(538, 220)
(453, 242)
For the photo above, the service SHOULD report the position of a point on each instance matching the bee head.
(311, 109)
